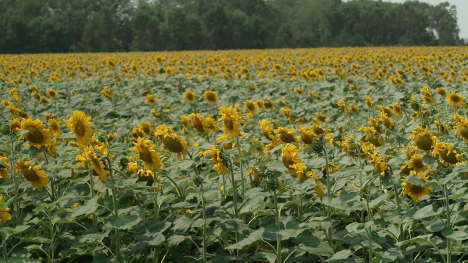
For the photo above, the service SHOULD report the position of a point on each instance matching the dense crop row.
(251, 156)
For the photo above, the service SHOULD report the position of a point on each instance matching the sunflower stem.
(204, 226)
(447, 207)
(398, 201)
(327, 173)
(91, 189)
(16, 182)
(4, 246)
(277, 221)
(240, 164)
(116, 207)
(234, 194)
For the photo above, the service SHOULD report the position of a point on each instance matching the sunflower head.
(37, 135)
(52, 93)
(145, 151)
(37, 177)
(145, 127)
(79, 124)
(231, 120)
(289, 157)
(415, 191)
(286, 135)
(149, 99)
(455, 99)
(211, 96)
(189, 96)
(199, 123)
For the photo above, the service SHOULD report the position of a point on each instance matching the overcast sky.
(462, 12)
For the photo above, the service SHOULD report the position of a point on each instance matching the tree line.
(37, 26)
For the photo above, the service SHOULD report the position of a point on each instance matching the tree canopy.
(37, 26)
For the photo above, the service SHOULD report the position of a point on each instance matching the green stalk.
(447, 207)
(12, 178)
(398, 201)
(4, 246)
(234, 195)
(369, 231)
(240, 164)
(116, 207)
(204, 227)
(91, 189)
(327, 173)
(278, 236)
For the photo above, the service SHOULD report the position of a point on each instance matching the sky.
(462, 12)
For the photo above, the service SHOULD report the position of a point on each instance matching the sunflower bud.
(415, 105)
(197, 181)
(123, 163)
(5, 128)
(317, 146)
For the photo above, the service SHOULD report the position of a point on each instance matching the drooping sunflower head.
(189, 96)
(175, 144)
(211, 123)
(149, 99)
(307, 135)
(15, 125)
(146, 176)
(267, 131)
(268, 103)
(54, 125)
(219, 160)
(387, 122)
(397, 109)
(423, 139)
(342, 105)
(321, 117)
(37, 177)
(145, 127)
(199, 123)
(286, 135)
(52, 93)
(289, 157)
(415, 191)
(4, 165)
(211, 96)
(94, 156)
(231, 120)
(447, 153)
(287, 113)
(185, 121)
(145, 151)
(441, 91)
(38, 135)
(79, 124)
(462, 126)
(354, 108)
(369, 103)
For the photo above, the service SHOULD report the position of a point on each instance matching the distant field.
(286, 155)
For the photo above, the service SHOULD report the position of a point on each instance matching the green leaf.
(415, 180)
(13, 231)
(456, 235)
(88, 208)
(340, 255)
(253, 237)
(182, 224)
(175, 240)
(423, 238)
(127, 221)
(426, 212)
(428, 160)
(307, 240)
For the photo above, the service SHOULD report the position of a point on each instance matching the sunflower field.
(287, 155)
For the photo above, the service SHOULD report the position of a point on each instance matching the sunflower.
(171, 141)
(149, 99)
(231, 120)
(211, 123)
(251, 107)
(267, 131)
(422, 138)
(199, 123)
(414, 191)
(145, 151)
(416, 164)
(441, 91)
(218, 159)
(354, 108)
(307, 135)
(52, 93)
(369, 103)
(287, 113)
(146, 176)
(3, 167)
(462, 126)
(4, 215)
(145, 127)
(268, 103)
(455, 99)
(286, 135)
(189, 96)
(37, 178)
(185, 122)
(38, 135)
(289, 157)
(15, 125)
(396, 108)
(387, 122)
(79, 125)
(321, 117)
(54, 125)
(446, 153)
(342, 105)
(211, 96)
(107, 93)
(99, 167)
